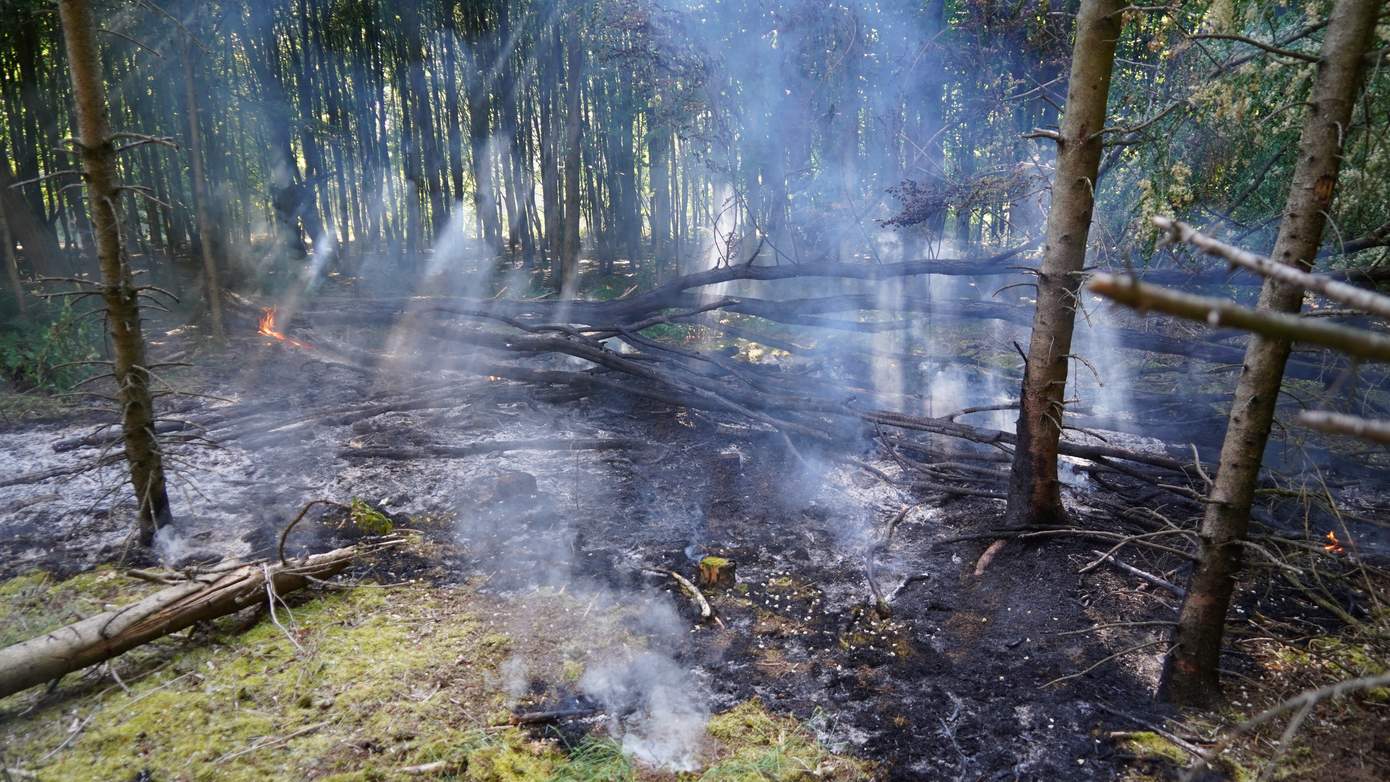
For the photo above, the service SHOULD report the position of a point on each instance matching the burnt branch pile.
(607, 347)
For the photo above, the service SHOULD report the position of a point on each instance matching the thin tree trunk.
(41, 248)
(658, 162)
(118, 290)
(1034, 493)
(569, 256)
(211, 284)
(549, 149)
(1190, 672)
(12, 266)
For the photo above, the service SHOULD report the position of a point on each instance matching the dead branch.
(546, 717)
(39, 476)
(871, 561)
(1219, 312)
(1157, 581)
(1302, 704)
(696, 596)
(1191, 748)
(285, 533)
(202, 596)
(496, 446)
(1359, 298)
(1292, 54)
(992, 551)
(1376, 431)
(1102, 661)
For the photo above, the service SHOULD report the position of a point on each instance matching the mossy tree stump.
(716, 572)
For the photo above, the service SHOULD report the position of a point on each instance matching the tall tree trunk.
(200, 193)
(550, 155)
(118, 290)
(38, 121)
(1190, 671)
(284, 173)
(569, 255)
(1034, 493)
(428, 154)
(479, 133)
(41, 249)
(452, 113)
(659, 171)
(12, 266)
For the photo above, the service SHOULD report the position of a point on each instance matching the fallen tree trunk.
(498, 446)
(201, 597)
(599, 317)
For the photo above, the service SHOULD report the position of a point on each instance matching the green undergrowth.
(16, 406)
(759, 745)
(35, 602)
(49, 349)
(1341, 738)
(359, 683)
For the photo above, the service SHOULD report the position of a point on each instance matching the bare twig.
(1301, 704)
(1157, 581)
(698, 597)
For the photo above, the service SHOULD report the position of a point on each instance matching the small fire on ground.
(1333, 546)
(267, 328)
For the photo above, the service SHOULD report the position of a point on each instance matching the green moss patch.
(34, 603)
(363, 683)
(756, 745)
(357, 681)
(1151, 746)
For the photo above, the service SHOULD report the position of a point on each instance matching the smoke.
(570, 604)
(654, 707)
(171, 547)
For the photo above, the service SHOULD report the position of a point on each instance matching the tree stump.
(716, 572)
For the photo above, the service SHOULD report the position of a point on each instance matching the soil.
(973, 676)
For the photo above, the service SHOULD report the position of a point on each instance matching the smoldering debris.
(655, 707)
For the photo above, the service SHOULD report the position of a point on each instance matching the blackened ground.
(974, 676)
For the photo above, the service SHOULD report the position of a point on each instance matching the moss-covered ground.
(367, 682)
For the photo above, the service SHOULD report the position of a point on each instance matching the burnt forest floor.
(522, 589)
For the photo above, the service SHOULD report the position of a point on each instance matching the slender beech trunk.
(211, 283)
(118, 289)
(569, 255)
(1190, 673)
(1034, 493)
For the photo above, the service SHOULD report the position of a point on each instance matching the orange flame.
(1333, 546)
(267, 328)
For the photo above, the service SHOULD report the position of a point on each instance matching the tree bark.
(569, 255)
(211, 284)
(119, 293)
(1034, 491)
(12, 266)
(659, 167)
(549, 150)
(1360, 343)
(114, 632)
(27, 227)
(1190, 674)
